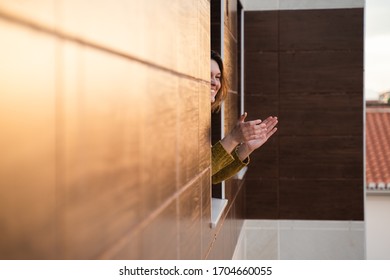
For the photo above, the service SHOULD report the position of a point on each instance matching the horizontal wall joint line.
(123, 240)
(77, 40)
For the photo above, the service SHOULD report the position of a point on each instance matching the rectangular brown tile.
(321, 171)
(261, 29)
(235, 218)
(158, 143)
(126, 21)
(261, 106)
(321, 71)
(240, 205)
(188, 131)
(336, 113)
(230, 60)
(264, 162)
(321, 199)
(216, 250)
(207, 233)
(28, 142)
(233, 187)
(222, 248)
(261, 74)
(334, 150)
(187, 32)
(190, 208)
(174, 51)
(261, 199)
(127, 248)
(228, 235)
(204, 131)
(230, 187)
(159, 238)
(321, 29)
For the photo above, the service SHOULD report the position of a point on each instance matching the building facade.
(106, 123)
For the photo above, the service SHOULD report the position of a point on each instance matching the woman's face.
(215, 79)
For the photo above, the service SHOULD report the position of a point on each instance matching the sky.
(377, 48)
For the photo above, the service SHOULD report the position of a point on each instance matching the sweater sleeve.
(220, 158)
(230, 170)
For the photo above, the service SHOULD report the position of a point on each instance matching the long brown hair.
(222, 93)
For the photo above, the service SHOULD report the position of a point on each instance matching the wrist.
(243, 151)
(229, 143)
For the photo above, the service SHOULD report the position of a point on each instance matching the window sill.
(240, 175)
(217, 207)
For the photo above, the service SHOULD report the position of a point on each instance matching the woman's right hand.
(248, 147)
(270, 124)
(243, 132)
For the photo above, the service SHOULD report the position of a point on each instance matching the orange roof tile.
(378, 148)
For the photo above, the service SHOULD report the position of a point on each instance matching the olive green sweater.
(223, 164)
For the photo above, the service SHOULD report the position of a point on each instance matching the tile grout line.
(75, 39)
(151, 216)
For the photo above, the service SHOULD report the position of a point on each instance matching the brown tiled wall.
(306, 67)
(105, 120)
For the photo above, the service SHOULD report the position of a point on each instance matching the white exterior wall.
(301, 240)
(377, 211)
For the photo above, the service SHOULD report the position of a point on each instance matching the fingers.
(256, 122)
(267, 128)
(271, 122)
(242, 117)
(270, 133)
(270, 119)
(250, 127)
(256, 129)
(257, 132)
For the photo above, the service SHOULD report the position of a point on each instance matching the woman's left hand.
(248, 147)
(264, 135)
